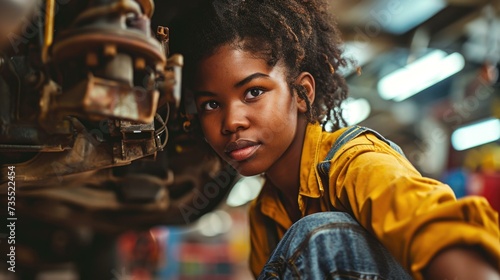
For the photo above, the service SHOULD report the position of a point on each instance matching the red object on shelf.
(492, 189)
(486, 185)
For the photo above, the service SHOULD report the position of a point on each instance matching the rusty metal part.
(89, 152)
(170, 86)
(18, 137)
(111, 23)
(50, 167)
(97, 99)
(94, 40)
(104, 9)
(31, 148)
(106, 202)
(103, 202)
(162, 34)
(138, 140)
(176, 60)
(111, 41)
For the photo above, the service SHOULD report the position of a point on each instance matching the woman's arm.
(459, 263)
(414, 217)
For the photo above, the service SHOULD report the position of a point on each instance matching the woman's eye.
(253, 93)
(210, 105)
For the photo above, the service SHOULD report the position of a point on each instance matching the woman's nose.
(235, 119)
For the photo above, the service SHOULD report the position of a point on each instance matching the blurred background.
(427, 77)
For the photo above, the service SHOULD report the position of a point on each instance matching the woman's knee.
(335, 241)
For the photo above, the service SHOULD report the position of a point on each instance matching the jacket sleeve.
(413, 216)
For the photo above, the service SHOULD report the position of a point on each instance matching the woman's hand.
(460, 263)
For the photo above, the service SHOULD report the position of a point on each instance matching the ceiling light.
(476, 134)
(355, 111)
(419, 75)
(401, 16)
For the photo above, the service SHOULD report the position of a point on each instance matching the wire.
(163, 128)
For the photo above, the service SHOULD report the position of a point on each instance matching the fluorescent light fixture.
(419, 75)
(245, 190)
(355, 111)
(476, 134)
(400, 16)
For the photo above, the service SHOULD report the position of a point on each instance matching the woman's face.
(247, 112)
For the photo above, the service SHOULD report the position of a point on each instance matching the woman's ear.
(305, 81)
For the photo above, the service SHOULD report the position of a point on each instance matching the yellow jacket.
(413, 216)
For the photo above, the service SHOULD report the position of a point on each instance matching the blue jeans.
(331, 245)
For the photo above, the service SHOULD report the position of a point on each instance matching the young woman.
(263, 74)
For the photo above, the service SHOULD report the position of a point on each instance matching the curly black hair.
(302, 33)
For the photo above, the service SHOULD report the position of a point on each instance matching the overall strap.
(350, 133)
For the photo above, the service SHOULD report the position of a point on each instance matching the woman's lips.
(241, 149)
